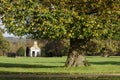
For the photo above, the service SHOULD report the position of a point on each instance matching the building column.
(35, 53)
(30, 53)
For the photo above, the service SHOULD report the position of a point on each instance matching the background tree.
(77, 20)
(57, 48)
(21, 52)
(103, 48)
(4, 45)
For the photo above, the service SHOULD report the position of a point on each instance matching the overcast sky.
(8, 35)
(5, 34)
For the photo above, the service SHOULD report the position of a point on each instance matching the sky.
(5, 34)
(8, 35)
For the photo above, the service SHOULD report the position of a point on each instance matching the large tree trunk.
(76, 57)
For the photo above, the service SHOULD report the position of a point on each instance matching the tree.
(57, 48)
(105, 48)
(77, 20)
(21, 51)
(4, 44)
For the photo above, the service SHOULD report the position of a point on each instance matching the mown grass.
(43, 65)
(81, 78)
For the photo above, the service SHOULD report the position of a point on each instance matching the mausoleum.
(35, 50)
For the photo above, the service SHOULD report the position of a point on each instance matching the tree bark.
(76, 56)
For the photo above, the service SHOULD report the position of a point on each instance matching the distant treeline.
(59, 48)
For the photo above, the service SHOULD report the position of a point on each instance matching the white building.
(35, 50)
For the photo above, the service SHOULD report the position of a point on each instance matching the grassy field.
(41, 65)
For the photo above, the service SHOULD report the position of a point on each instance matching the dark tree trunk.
(76, 56)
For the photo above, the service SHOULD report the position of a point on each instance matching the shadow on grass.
(80, 78)
(26, 65)
(51, 62)
(106, 63)
(7, 65)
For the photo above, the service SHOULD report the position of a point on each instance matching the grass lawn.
(42, 65)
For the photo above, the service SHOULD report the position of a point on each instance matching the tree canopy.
(81, 19)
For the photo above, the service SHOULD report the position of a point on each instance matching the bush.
(21, 51)
(11, 54)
